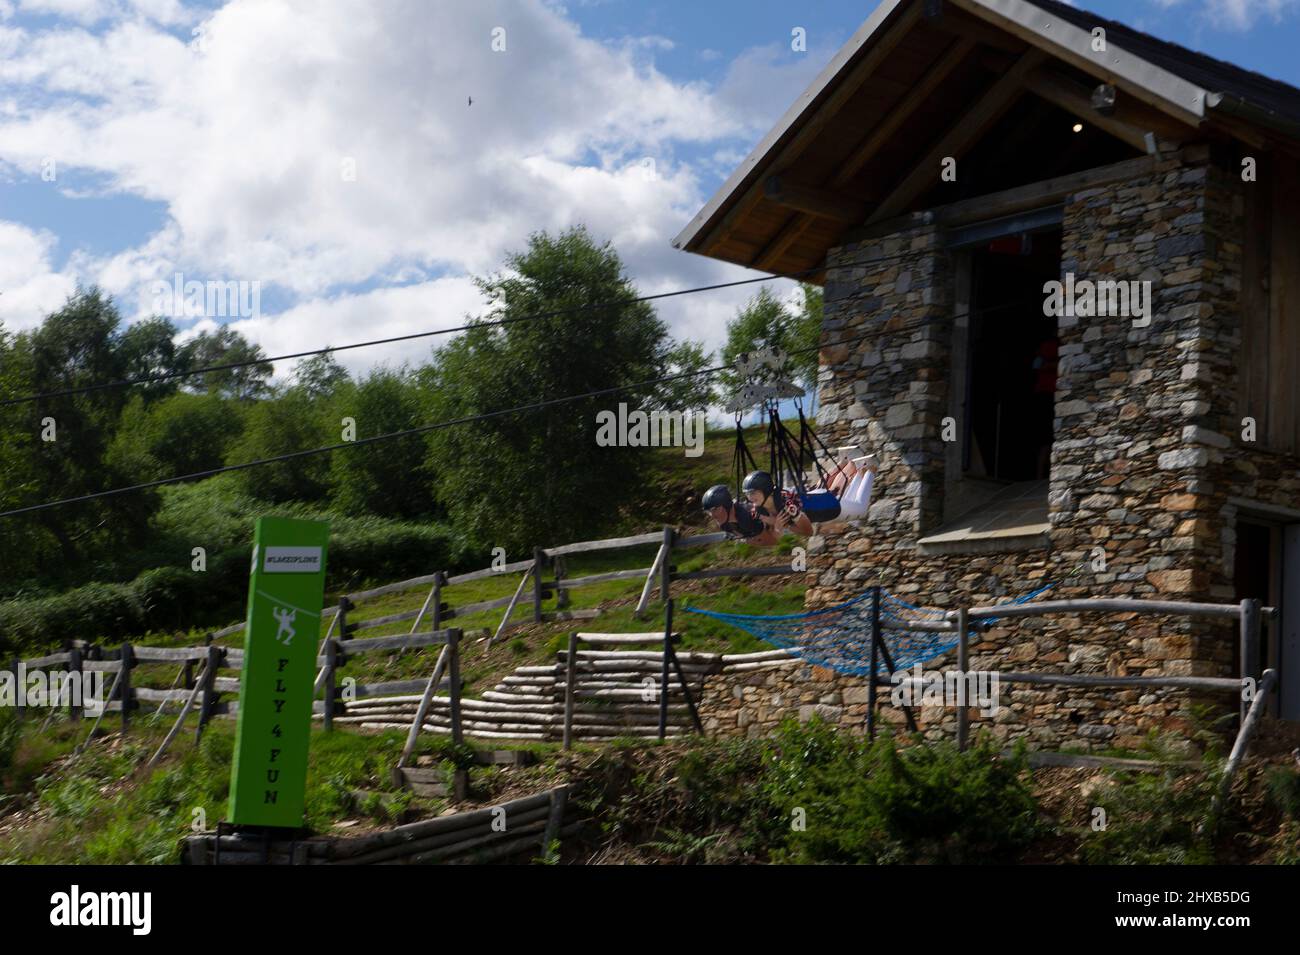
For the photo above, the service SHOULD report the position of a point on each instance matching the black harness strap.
(806, 437)
(742, 460)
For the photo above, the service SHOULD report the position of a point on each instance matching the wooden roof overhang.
(922, 80)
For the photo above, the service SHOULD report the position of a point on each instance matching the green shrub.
(10, 730)
(874, 802)
(817, 794)
(1283, 788)
(175, 597)
(1152, 819)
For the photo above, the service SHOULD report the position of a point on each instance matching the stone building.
(1133, 432)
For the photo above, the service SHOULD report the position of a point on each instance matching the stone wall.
(1141, 465)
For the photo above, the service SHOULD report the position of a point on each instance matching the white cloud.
(30, 287)
(246, 140)
(383, 313)
(1244, 14)
(94, 11)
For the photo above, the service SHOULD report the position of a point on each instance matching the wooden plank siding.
(1269, 383)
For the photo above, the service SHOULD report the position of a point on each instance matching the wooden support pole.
(1242, 742)
(180, 720)
(434, 601)
(555, 818)
(963, 661)
(331, 683)
(117, 680)
(666, 568)
(561, 595)
(1249, 628)
(125, 695)
(453, 673)
(422, 710)
(660, 557)
(570, 673)
(539, 564)
(663, 673)
(875, 657)
(686, 690)
(510, 607)
(209, 684)
(439, 581)
(74, 666)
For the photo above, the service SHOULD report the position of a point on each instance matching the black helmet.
(759, 481)
(716, 496)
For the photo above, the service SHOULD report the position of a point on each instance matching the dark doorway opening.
(1257, 574)
(1011, 378)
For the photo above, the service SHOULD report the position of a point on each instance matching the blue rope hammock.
(839, 637)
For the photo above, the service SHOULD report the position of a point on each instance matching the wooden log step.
(515, 697)
(436, 783)
(505, 757)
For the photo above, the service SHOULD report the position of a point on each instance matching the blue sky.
(142, 138)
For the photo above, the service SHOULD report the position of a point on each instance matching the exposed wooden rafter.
(1076, 98)
(887, 127)
(779, 244)
(1149, 83)
(825, 203)
(807, 133)
(961, 135)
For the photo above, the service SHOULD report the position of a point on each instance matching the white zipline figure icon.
(284, 617)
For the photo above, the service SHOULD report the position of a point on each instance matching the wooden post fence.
(74, 666)
(125, 694)
(963, 663)
(1249, 627)
(1242, 741)
(331, 685)
(413, 735)
(654, 572)
(663, 677)
(666, 566)
(539, 563)
(209, 681)
(875, 648)
(453, 673)
(571, 669)
(561, 595)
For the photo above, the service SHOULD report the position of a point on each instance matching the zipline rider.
(739, 519)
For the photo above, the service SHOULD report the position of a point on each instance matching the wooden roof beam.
(806, 134)
(779, 244)
(959, 24)
(973, 123)
(819, 202)
(885, 130)
(1077, 99)
(1152, 84)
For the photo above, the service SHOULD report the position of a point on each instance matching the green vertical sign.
(286, 587)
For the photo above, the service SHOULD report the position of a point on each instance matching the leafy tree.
(181, 434)
(538, 477)
(321, 376)
(148, 349)
(766, 322)
(388, 478)
(225, 346)
(28, 547)
(283, 424)
(77, 346)
(696, 391)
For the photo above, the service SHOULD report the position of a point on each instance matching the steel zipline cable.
(498, 323)
(407, 432)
